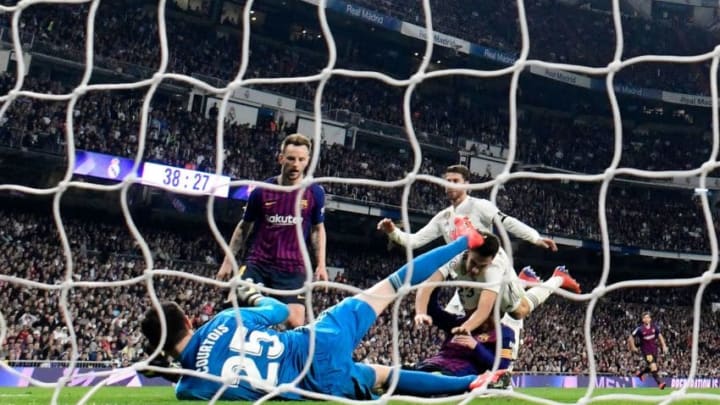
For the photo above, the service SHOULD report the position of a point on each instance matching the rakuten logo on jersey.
(283, 219)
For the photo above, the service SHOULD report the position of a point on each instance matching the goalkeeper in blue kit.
(254, 359)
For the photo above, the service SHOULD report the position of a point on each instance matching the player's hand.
(459, 330)
(321, 274)
(225, 271)
(423, 319)
(386, 225)
(248, 296)
(465, 340)
(635, 350)
(665, 350)
(161, 360)
(547, 244)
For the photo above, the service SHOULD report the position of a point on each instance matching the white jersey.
(479, 211)
(498, 272)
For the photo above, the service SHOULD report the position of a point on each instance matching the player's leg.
(528, 278)
(340, 328)
(420, 383)
(287, 281)
(653, 369)
(516, 325)
(644, 369)
(382, 294)
(535, 296)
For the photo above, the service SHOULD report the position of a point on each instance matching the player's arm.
(663, 345)
(422, 299)
(514, 226)
(319, 242)
(481, 313)
(272, 311)
(265, 311)
(237, 243)
(253, 211)
(441, 318)
(318, 236)
(631, 342)
(485, 356)
(425, 235)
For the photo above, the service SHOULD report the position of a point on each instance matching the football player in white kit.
(493, 270)
(481, 213)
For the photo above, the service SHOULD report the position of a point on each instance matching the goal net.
(159, 107)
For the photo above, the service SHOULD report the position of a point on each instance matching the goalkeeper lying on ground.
(254, 359)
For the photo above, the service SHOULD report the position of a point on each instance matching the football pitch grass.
(164, 395)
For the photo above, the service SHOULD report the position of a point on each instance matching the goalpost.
(409, 84)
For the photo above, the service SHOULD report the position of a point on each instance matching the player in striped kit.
(482, 214)
(267, 230)
(494, 270)
(473, 353)
(648, 336)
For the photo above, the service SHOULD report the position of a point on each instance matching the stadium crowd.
(105, 320)
(558, 32)
(565, 33)
(107, 122)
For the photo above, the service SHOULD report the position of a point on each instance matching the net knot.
(615, 65)
(80, 90)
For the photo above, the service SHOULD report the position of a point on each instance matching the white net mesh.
(67, 287)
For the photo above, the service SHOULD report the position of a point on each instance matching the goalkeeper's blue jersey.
(270, 358)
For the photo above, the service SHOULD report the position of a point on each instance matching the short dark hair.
(297, 140)
(459, 169)
(490, 247)
(176, 328)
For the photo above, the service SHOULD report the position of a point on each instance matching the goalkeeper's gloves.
(247, 296)
(161, 360)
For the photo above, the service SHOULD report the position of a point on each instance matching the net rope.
(413, 176)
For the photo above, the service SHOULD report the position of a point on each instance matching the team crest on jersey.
(482, 338)
(304, 204)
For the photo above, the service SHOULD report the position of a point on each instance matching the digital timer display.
(185, 181)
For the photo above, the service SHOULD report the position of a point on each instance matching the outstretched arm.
(481, 314)
(520, 229)
(444, 320)
(425, 235)
(425, 294)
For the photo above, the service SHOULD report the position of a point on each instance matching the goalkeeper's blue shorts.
(338, 331)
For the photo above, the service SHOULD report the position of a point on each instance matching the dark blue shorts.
(278, 279)
(650, 358)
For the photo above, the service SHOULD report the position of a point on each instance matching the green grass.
(163, 395)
